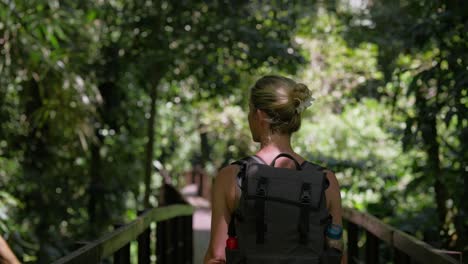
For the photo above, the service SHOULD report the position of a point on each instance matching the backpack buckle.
(305, 200)
(303, 226)
(305, 194)
(261, 187)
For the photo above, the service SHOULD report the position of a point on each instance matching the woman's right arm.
(222, 205)
(6, 255)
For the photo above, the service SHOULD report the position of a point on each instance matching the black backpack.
(282, 214)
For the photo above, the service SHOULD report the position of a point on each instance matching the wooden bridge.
(182, 232)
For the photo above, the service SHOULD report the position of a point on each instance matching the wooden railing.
(403, 248)
(174, 242)
(174, 236)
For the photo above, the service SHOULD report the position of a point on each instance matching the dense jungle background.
(95, 96)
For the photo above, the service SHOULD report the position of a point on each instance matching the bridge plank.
(111, 242)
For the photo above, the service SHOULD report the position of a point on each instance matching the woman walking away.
(275, 207)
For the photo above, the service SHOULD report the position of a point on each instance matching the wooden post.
(188, 237)
(200, 185)
(144, 251)
(122, 256)
(169, 242)
(161, 234)
(173, 241)
(353, 252)
(372, 248)
(179, 223)
(400, 257)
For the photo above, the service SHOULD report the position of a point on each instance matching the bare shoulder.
(332, 179)
(333, 197)
(228, 170)
(225, 174)
(225, 186)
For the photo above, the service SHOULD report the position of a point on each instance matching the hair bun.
(283, 100)
(300, 91)
(301, 96)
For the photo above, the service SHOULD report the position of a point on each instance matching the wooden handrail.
(110, 243)
(409, 245)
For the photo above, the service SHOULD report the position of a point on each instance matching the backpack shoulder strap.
(308, 164)
(243, 163)
(298, 166)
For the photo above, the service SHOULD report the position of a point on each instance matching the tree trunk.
(94, 188)
(150, 144)
(37, 158)
(432, 149)
(205, 156)
(461, 222)
(427, 113)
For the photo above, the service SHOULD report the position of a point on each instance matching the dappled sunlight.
(102, 103)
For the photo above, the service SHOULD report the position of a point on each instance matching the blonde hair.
(280, 98)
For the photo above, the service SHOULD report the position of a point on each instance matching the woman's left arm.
(335, 209)
(334, 199)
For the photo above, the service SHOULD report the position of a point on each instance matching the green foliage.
(74, 100)
(424, 87)
(390, 78)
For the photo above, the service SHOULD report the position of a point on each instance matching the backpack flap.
(285, 185)
(282, 213)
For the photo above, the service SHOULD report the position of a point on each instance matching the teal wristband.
(334, 231)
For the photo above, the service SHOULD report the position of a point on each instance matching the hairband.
(304, 104)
